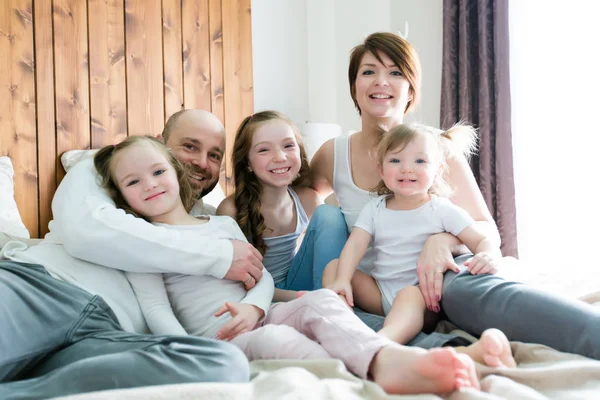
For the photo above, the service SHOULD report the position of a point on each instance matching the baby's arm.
(353, 251)
(152, 296)
(487, 253)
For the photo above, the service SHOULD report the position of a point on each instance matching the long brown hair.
(247, 187)
(460, 140)
(402, 54)
(103, 161)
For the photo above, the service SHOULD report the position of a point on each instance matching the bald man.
(197, 138)
(70, 320)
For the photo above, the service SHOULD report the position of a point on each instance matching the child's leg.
(323, 241)
(322, 317)
(405, 319)
(492, 349)
(365, 291)
(278, 342)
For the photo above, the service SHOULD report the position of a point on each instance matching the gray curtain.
(476, 89)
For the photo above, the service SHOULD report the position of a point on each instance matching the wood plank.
(237, 71)
(215, 24)
(71, 77)
(196, 54)
(46, 124)
(107, 72)
(17, 105)
(173, 61)
(144, 64)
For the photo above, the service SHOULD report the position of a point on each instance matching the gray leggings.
(478, 302)
(57, 339)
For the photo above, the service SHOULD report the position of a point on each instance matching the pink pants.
(315, 326)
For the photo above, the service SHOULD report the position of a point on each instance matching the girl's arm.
(475, 238)
(354, 250)
(437, 254)
(227, 207)
(321, 169)
(468, 197)
(152, 296)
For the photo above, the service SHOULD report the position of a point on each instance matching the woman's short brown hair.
(402, 54)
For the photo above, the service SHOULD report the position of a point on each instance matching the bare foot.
(404, 370)
(492, 349)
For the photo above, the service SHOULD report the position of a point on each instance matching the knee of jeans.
(329, 216)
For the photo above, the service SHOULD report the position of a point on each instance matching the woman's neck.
(373, 127)
(274, 197)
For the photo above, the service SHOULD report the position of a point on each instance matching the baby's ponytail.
(460, 139)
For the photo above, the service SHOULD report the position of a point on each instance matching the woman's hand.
(435, 259)
(344, 290)
(244, 319)
(482, 263)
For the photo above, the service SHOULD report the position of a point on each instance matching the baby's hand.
(301, 293)
(244, 319)
(482, 263)
(344, 289)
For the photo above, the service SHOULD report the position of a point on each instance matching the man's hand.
(244, 319)
(246, 265)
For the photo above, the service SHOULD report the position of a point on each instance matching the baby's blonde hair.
(459, 140)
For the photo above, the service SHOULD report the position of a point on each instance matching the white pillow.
(72, 157)
(10, 219)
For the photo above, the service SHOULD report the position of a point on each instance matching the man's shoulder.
(201, 208)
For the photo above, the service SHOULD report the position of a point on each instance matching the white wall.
(279, 49)
(301, 50)
(425, 30)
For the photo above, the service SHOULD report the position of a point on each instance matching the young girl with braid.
(273, 204)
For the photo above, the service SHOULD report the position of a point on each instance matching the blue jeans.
(323, 241)
(57, 339)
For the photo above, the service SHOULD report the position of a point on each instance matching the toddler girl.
(408, 211)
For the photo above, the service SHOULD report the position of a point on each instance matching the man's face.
(200, 147)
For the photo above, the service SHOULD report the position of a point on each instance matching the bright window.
(555, 90)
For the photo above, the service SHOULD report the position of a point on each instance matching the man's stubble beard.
(199, 189)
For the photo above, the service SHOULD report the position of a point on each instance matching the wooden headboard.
(79, 74)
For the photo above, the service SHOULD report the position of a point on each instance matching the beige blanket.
(542, 373)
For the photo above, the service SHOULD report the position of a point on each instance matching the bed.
(542, 372)
(132, 65)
